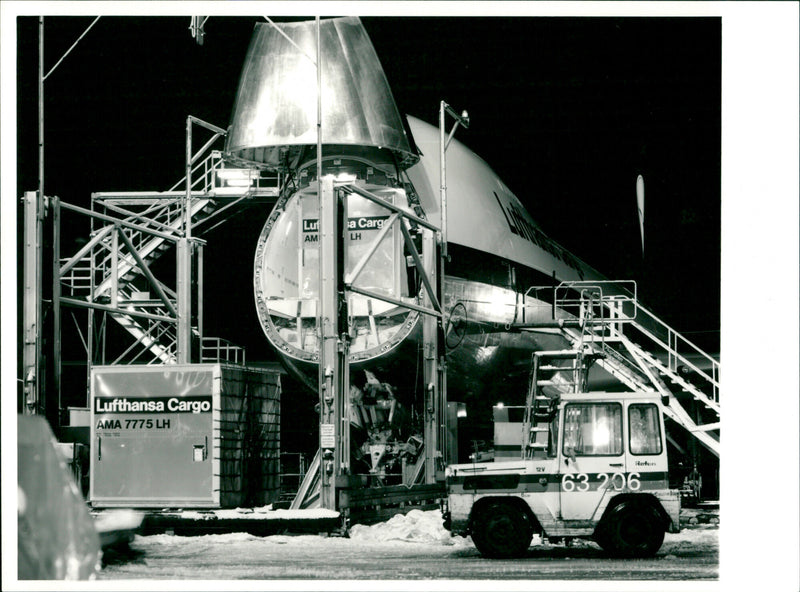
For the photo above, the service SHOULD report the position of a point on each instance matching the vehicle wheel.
(631, 531)
(500, 530)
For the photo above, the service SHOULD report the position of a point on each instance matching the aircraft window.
(645, 429)
(593, 429)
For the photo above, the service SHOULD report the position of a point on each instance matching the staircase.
(637, 349)
(130, 232)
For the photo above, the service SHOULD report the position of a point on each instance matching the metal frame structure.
(129, 231)
(334, 372)
(334, 368)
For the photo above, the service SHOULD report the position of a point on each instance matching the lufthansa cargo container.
(195, 435)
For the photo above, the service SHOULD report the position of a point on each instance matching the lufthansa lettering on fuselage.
(519, 225)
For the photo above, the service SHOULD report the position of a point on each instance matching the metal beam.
(124, 223)
(119, 311)
(387, 226)
(395, 301)
(75, 259)
(149, 274)
(143, 216)
(389, 206)
(421, 269)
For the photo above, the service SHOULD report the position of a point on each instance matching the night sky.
(568, 111)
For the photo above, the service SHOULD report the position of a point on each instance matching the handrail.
(677, 336)
(207, 169)
(615, 298)
(670, 347)
(673, 354)
(125, 264)
(213, 348)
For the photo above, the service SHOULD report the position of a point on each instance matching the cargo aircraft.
(501, 268)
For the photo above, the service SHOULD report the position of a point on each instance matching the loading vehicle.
(593, 466)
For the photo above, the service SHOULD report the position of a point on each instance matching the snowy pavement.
(414, 546)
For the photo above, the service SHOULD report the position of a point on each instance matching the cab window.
(593, 429)
(645, 429)
(552, 438)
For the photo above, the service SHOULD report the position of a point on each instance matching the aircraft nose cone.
(275, 113)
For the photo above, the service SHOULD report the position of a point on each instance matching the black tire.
(631, 530)
(501, 530)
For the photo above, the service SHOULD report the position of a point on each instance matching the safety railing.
(216, 349)
(293, 471)
(203, 173)
(678, 350)
(613, 309)
(622, 308)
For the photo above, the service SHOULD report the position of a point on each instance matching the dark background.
(568, 111)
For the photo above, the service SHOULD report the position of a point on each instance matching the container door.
(591, 458)
(156, 459)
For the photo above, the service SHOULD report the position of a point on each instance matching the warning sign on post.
(327, 436)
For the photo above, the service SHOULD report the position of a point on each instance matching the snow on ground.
(122, 519)
(262, 513)
(414, 546)
(424, 528)
(415, 527)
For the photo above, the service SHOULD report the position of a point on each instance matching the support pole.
(31, 305)
(41, 107)
(440, 348)
(443, 179)
(32, 267)
(184, 264)
(431, 374)
(56, 205)
(329, 367)
(184, 267)
(343, 349)
(200, 290)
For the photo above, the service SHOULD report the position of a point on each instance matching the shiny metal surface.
(483, 213)
(275, 114)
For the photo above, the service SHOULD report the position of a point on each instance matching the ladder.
(543, 393)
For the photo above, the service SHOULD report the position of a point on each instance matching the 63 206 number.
(618, 481)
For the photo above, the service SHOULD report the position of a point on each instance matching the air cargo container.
(197, 435)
